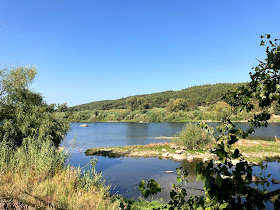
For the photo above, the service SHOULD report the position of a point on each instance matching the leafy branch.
(227, 186)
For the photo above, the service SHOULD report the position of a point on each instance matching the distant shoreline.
(182, 121)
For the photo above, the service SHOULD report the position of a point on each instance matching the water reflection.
(190, 167)
(135, 130)
(124, 174)
(120, 134)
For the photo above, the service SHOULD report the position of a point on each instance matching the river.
(125, 174)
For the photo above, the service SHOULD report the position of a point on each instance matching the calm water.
(124, 174)
(121, 134)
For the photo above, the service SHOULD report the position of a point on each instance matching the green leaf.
(172, 194)
(179, 180)
(223, 206)
(142, 183)
(219, 181)
(141, 188)
(221, 154)
(198, 177)
(208, 183)
(146, 193)
(154, 184)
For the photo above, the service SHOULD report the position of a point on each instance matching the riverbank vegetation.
(149, 150)
(215, 113)
(33, 171)
(23, 113)
(194, 137)
(198, 103)
(36, 175)
(152, 115)
(256, 151)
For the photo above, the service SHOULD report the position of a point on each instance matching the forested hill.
(196, 95)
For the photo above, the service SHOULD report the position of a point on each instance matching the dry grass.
(274, 118)
(34, 182)
(149, 150)
(259, 150)
(253, 150)
(60, 191)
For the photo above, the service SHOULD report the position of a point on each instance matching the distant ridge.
(197, 95)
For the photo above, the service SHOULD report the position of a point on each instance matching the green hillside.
(196, 95)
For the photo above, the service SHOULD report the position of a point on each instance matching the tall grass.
(35, 174)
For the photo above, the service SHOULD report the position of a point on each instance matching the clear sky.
(90, 50)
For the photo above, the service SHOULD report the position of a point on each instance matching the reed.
(36, 174)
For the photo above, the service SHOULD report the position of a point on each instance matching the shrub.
(193, 137)
(175, 105)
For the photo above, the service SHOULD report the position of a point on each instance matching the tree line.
(193, 96)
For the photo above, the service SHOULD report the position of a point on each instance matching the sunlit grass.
(36, 175)
(149, 150)
(259, 150)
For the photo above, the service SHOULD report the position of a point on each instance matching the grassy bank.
(36, 175)
(253, 150)
(149, 150)
(146, 151)
(259, 150)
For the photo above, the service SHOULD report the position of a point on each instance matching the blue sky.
(91, 50)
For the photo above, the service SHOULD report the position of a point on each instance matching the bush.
(24, 114)
(175, 105)
(193, 137)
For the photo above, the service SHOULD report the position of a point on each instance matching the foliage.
(32, 169)
(226, 186)
(152, 187)
(175, 105)
(62, 107)
(43, 157)
(137, 103)
(221, 109)
(15, 78)
(141, 204)
(24, 114)
(194, 96)
(90, 177)
(194, 137)
(152, 115)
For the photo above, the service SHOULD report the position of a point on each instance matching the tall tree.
(23, 113)
(137, 103)
(15, 78)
